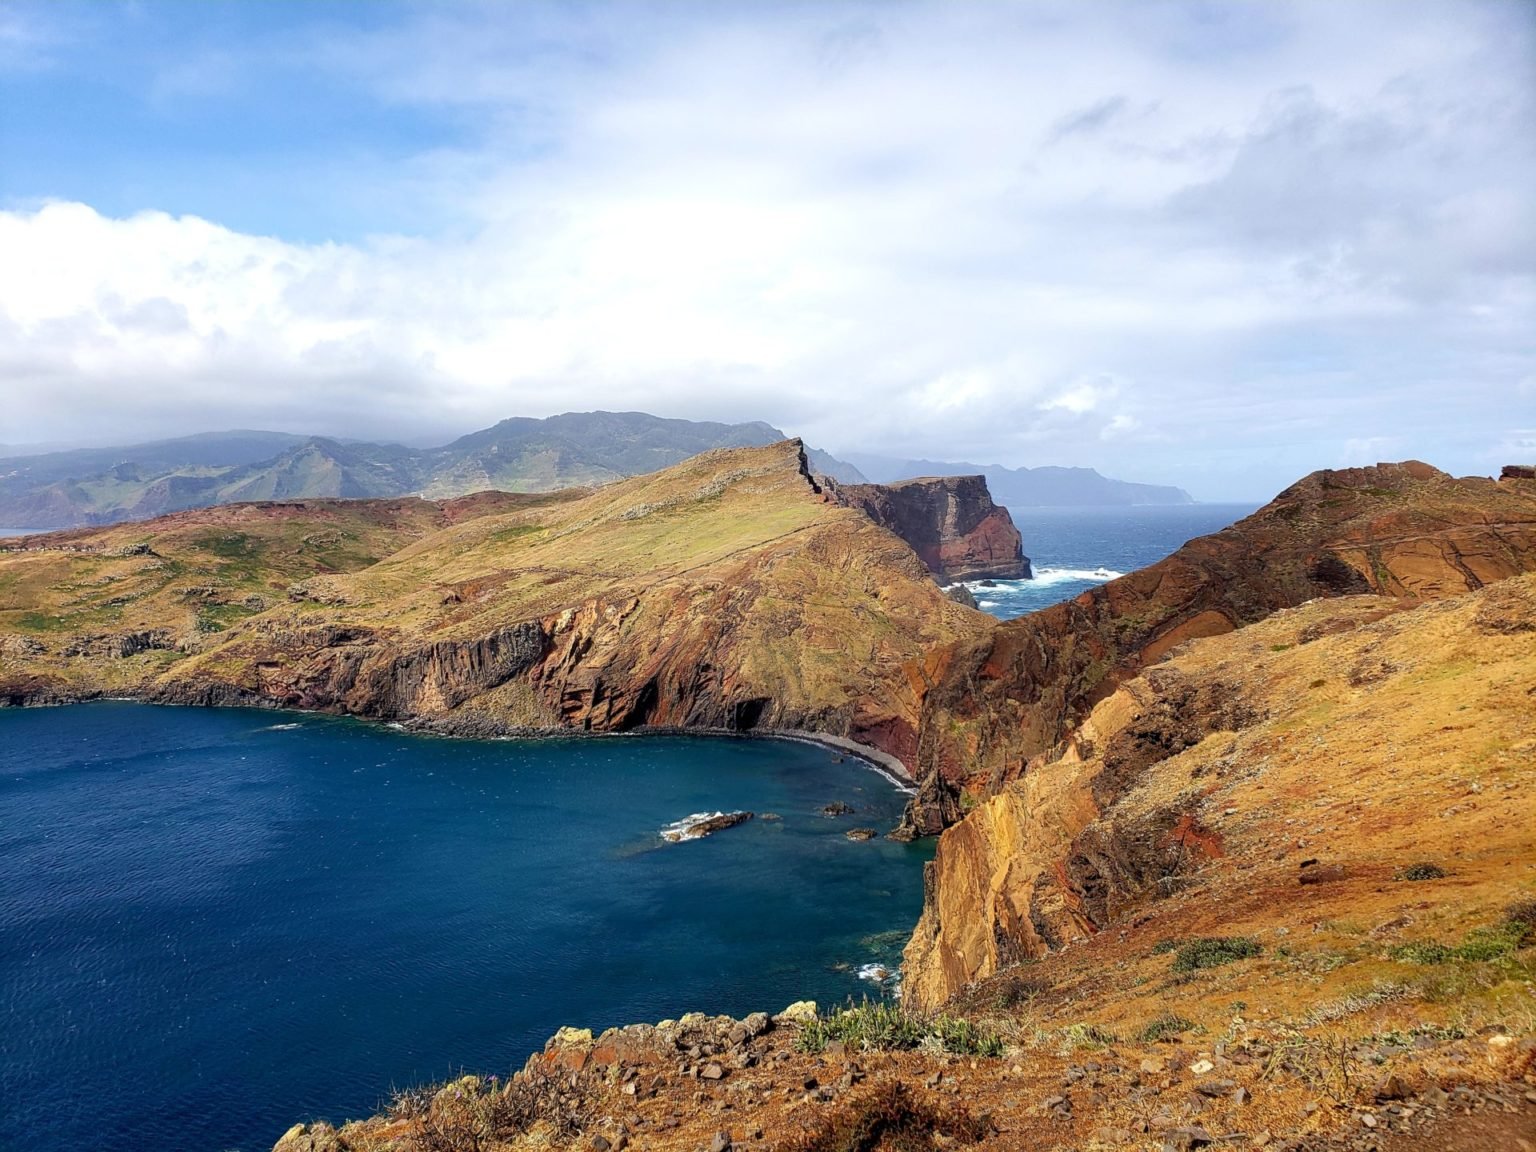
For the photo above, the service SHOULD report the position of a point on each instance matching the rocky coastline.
(1125, 783)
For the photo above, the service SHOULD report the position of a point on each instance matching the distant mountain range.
(1047, 487)
(107, 485)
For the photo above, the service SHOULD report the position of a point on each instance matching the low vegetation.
(1482, 944)
(473, 1113)
(879, 1025)
(1213, 952)
(1168, 1026)
(1424, 870)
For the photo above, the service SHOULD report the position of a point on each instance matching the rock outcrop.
(951, 522)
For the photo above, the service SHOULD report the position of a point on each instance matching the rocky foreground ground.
(776, 1083)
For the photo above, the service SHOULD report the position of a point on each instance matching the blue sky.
(1211, 244)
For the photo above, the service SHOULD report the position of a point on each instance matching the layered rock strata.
(951, 522)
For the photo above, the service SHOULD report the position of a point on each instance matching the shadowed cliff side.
(1251, 770)
(727, 592)
(1404, 530)
(951, 522)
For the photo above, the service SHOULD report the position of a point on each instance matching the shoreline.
(882, 763)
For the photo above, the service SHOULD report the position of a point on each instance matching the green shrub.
(1423, 870)
(1480, 945)
(1483, 944)
(1164, 1027)
(1214, 951)
(1421, 952)
(879, 1025)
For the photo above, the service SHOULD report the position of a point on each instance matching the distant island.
(91, 486)
(1047, 487)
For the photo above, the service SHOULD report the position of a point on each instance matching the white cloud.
(1011, 232)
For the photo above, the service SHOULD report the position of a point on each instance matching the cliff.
(950, 522)
(1253, 781)
(727, 592)
(1403, 530)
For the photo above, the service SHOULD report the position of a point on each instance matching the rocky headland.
(728, 593)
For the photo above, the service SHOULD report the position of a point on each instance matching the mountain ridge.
(84, 486)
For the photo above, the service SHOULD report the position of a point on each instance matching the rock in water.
(861, 833)
(701, 824)
(837, 808)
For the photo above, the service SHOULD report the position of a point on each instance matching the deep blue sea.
(214, 923)
(1073, 549)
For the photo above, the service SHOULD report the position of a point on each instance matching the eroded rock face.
(1248, 770)
(1050, 860)
(1403, 530)
(950, 522)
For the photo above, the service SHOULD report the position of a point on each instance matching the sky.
(1215, 244)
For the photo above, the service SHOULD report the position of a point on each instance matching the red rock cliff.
(949, 521)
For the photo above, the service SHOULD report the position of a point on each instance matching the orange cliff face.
(1404, 530)
(1058, 719)
(951, 522)
(1252, 786)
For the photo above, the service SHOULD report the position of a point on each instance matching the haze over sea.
(214, 922)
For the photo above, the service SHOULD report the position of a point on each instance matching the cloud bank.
(1209, 245)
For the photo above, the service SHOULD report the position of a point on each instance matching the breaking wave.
(1044, 578)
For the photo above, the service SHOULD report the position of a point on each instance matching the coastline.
(484, 728)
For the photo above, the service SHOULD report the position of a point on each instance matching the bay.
(215, 923)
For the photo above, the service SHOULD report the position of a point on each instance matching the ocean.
(1074, 549)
